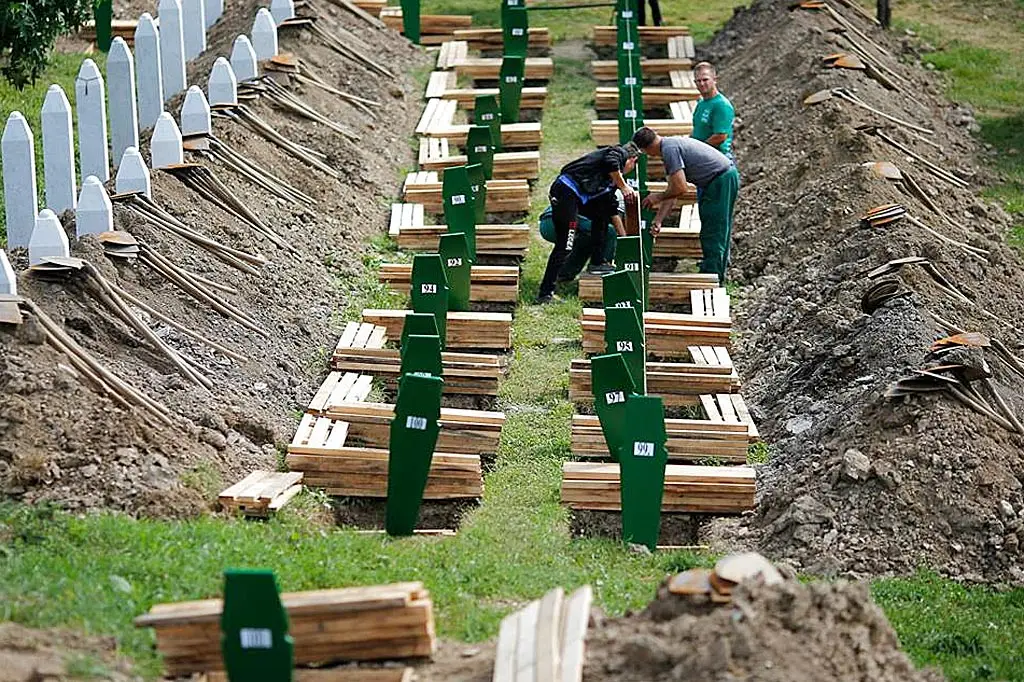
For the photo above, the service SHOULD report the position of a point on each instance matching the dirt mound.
(789, 632)
(28, 655)
(858, 484)
(61, 442)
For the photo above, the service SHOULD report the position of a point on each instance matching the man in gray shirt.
(690, 160)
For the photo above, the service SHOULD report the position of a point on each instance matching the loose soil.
(28, 655)
(858, 484)
(61, 442)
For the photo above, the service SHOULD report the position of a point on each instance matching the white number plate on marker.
(613, 397)
(458, 199)
(629, 113)
(629, 80)
(631, 267)
(629, 45)
(643, 449)
(511, 79)
(517, 31)
(454, 262)
(416, 423)
(428, 288)
(487, 117)
(256, 638)
(623, 346)
(481, 148)
(623, 304)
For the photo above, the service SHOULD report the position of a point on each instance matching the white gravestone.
(49, 240)
(19, 166)
(132, 174)
(124, 114)
(264, 34)
(172, 48)
(94, 214)
(243, 59)
(282, 10)
(222, 87)
(165, 145)
(212, 11)
(193, 25)
(91, 103)
(147, 68)
(58, 151)
(8, 280)
(195, 113)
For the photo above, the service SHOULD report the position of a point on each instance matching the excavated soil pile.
(859, 484)
(61, 442)
(825, 632)
(28, 655)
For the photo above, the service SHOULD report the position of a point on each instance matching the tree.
(28, 30)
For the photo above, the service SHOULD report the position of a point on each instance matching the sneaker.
(547, 298)
(602, 269)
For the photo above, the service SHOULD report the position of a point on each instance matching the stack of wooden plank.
(444, 85)
(490, 283)
(607, 35)
(435, 155)
(606, 69)
(688, 489)
(466, 330)
(424, 187)
(435, 29)
(689, 440)
(667, 334)
(451, 53)
(667, 288)
(607, 99)
(729, 408)
(261, 493)
(606, 131)
(464, 432)
(408, 229)
(438, 120)
(539, 37)
(464, 373)
(340, 387)
(682, 241)
(676, 383)
(119, 28)
(489, 68)
(374, 7)
(545, 639)
(680, 46)
(349, 624)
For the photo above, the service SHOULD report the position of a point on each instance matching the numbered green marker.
(430, 290)
(612, 385)
(642, 459)
(480, 148)
(254, 637)
(510, 86)
(624, 334)
(487, 112)
(414, 431)
(457, 268)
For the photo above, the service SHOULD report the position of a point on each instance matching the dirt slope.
(858, 484)
(60, 441)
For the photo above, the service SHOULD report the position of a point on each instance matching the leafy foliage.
(28, 30)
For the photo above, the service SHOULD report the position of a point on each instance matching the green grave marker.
(510, 86)
(422, 324)
(480, 148)
(459, 210)
(612, 386)
(509, 6)
(487, 112)
(515, 31)
(103, 16)
(642, 459)
(478, 186)
(624, 334)
(630, 257)
(619, 291)
(414, 432)
(458, 266)
(254, 637)
(430, 290)
(411, 20)
(421, 354)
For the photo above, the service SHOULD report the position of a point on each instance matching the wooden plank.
(348, 334)
(338, 434)
(505, 656)
(324, 392)
(711, 408)
(360, 389)
(549, 636)
(378, 338)
(697, 302)
(575, 620)
(726, 409)
(340, 388)
(526, 647)
(394, 226)
(744, 415)
(362, 335)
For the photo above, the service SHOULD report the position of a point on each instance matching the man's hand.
(655, 229)
(653, 199)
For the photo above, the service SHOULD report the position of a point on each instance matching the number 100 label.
(416, 423)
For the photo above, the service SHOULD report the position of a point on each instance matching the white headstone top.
(165, 145)
(132, 174)
(172, 48)
(282, 10)
(19, 169)
(49, 239)
(147, 69)
(212, 11)
(90, 100)
(193, 24)
(243, 59)
(94, 214)
(124, 113)
(195, 113)
(222, 87)
(8, 280)
(264, 34)
(58, 151)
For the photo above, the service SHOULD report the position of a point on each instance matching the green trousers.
(715, 208)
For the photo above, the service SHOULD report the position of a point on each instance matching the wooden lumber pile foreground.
(606, 131)
(435, 156)
(490, 283)
(607, 35)
(408, 228)
(466, 330)
(348, 624)
(606, 99)
(689, 440)
(444, 85)
(676, 383)
(261, 493)
(435, 29)
(424, 187)
(491, 38)
(688, 489)
(667, 288)
(545, 639)
(438, 120)
(668, 334)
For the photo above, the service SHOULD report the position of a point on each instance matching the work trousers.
(655, 12)
(715, 207)
(565, 211)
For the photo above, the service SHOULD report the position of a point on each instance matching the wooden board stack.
(605, 36)
(676, 383)
(607, 99)
(668, 334)
(545, 639)
(435, 29)
(438, 120)
(689, 440)
(667, 288)
(466, 330)
(501, 241)
(490, 283)
(261, 493)
(444, 85)
(348, 624)
(539, 38)
(503, 196)
(435, 156)
(688, 489)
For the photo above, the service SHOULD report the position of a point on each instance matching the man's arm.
(620, 227)
(620, 183)
(716, 140)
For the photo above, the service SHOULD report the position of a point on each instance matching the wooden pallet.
(545, 639)
(607, 69)
(607, 99)
(374, 7)
(451, 53)
(463, 432)
(261, 493)
(688, 489)
(464, 373)
(682, 241)
(444, 85)
(438, 119)
(680, 47)
(667, 288)
(510, 241)
(607, 35)
(349, 624)
(342, 674)
(667, 336)
(730, 408)
(676, 383)
(689, 440)
(682, 78)
(538, 37)
(503, 196)
(489, 283)
(466, 330)
(435, 155)
(341, 387)
(435, 29)
(606, 131)
(489, 68)
(119, 28)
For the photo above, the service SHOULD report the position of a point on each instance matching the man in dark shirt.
(586, 186)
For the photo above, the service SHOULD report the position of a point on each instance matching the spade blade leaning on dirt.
(718, 183)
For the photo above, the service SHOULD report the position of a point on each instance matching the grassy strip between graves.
(96, 572)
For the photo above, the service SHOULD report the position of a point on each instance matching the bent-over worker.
(581, 246)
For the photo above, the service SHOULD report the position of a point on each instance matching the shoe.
(547, 298)
(603, 269)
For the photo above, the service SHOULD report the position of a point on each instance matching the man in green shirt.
(713, 117)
